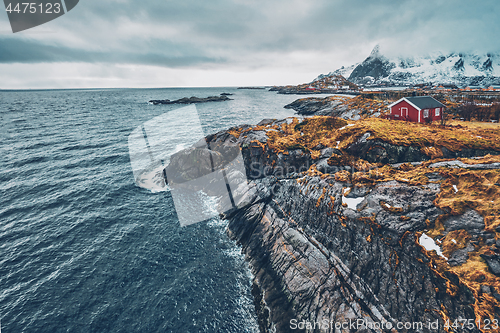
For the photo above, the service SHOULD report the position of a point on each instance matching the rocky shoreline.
(313, 106)
(303, 91)
(328, 246)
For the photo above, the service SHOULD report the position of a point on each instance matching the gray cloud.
(29, 51)
(250, 34)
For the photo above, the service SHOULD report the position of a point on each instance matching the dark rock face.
(322, 107)
(372, 66)
(331, 263)
(322, 255)
(312, 106)
(470, 221)
(487, 65)
(379, 151)
(191, 100)
(459, 65)
(493, 262)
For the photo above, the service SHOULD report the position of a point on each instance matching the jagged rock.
(308, 265)
(460, 256)
(379, 151)
(324, 107)
(460, 164)
(470, 221)
(493, 262)
(317, 106)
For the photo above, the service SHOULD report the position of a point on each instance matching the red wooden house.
(419, 109)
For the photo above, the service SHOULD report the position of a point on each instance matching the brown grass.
(475, 124)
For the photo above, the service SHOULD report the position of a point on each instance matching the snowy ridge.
(461, 69)
(344, 71)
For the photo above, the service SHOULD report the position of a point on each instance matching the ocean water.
(82, 248)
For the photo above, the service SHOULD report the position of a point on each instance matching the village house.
(421, 109)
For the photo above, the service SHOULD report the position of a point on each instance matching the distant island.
(192, 100)
(251, 88)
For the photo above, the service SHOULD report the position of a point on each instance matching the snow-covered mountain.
(344, 71)
(461, 69)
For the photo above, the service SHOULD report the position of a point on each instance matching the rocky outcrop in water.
(313, 105)
(191, 100)
(337, 106)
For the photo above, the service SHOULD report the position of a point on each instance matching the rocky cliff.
(352, 108)
(344, 234)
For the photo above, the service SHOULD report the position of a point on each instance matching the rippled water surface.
(83, 249)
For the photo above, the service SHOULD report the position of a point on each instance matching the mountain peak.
(461, 69)
(375, 52)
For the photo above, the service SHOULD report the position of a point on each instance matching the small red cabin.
(419, 109)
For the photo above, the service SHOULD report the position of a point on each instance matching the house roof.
(421, 102)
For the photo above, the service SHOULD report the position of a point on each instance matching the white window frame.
(426, 113)
(437, 113)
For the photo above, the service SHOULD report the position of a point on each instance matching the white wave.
(153, 180)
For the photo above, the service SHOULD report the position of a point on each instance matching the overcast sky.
(164, 43)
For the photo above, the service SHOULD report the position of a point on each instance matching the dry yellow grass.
(337, 133)
(475, 124)
(461, 190)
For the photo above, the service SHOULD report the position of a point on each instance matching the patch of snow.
(387, 205)
(455, 188)
(340, 129)
(338, 143)
(454, 241)
(429, 244)
(352, 203)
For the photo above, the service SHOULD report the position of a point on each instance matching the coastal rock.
(309, 106)
(325, 250)
(383, 152)
(191, 100)
(328, 263)
(379, 151)
(328, 106)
